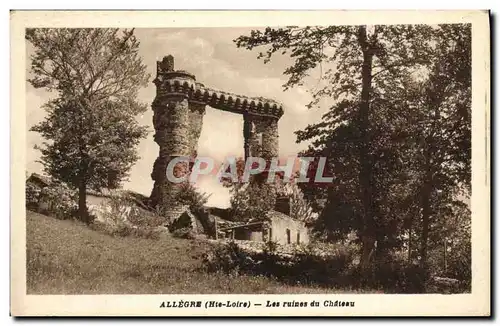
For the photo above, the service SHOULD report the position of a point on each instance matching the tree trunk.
(409, 241)
(83, 213)
(425, 226)
(426, 209)
(444, 256)
(427, 188)
(365, 176)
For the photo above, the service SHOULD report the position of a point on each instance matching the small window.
(288, 236)
(298, 237)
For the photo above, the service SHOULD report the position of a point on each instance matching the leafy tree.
(188, 194)
(90, 126)
(397, 136)
(355, 61)
(440, 105)
(250, 200)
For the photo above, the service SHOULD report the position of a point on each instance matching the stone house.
(278, 227)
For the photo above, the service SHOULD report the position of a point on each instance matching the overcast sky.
(213, 58)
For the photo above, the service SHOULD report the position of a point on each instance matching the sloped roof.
(35, 177)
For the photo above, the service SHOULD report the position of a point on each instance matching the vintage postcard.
(244, 163)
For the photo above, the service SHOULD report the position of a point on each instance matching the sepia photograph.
(300, 166)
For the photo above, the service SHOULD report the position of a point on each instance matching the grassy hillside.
(66, 257)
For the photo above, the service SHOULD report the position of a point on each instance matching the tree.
(250, 200)
(449, 241)
(90, 126)
(355, 62)
(441, 104)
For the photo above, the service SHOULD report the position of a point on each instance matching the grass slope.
(66, 257)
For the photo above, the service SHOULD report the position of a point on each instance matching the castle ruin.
(179, 107)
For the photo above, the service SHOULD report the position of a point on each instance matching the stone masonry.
(179, 107)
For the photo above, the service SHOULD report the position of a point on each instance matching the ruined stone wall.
(177, 143)
(251, 137)
(175, 212)
(263, 142)
(262, 136)
(196, 114)
(270, 140)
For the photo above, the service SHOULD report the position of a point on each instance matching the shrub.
(61, 201)
(303, 265)
(115, 210)
(116, 213)
(324, 264)
(460, 267)
(252, 201)
(121, 230)
(189, 195)
(185, 194)
(458, 261)
(227, 258)
(399, 277)
(144, 218)
(32, 196)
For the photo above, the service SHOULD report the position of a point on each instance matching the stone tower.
(179, 107)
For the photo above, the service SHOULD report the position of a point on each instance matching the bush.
(398, 276)
(323, 264)
(143, 218)
(189, 195)
(458, 262)
(228, 258)
(59, 200)
(116, 222)
(32, 196)
(304, 265)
